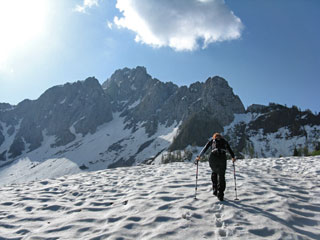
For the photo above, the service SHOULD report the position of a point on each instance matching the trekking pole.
(235, 181)
(195, 196)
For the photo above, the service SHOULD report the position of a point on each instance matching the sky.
(267, 50)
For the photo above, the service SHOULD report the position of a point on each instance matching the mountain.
(61, 112)
(133, 118)
(141, 98)
(274, 130)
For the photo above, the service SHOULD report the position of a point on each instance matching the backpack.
(219, 146)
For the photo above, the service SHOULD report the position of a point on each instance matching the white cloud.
(85, 5)
(179, 24)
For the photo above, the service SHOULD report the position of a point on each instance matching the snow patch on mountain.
(281, 143)
(272, 144)
(9, 133)
(113, 144)
(241, 118)
(133, 105)
(260, 143)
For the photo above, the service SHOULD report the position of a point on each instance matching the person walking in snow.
(218, 163)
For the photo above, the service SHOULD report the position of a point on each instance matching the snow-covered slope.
(111, 145)
(274, 132)
(279, 199)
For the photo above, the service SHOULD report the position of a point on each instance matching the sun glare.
(21, 22)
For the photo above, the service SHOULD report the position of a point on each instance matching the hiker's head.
(217, 136)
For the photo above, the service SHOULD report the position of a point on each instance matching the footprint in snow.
(186, 215)
(222, 233)
(218, 223)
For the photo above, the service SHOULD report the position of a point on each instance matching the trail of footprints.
(219, 223)
(218, 226)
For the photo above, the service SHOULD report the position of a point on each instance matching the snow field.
(279, 199)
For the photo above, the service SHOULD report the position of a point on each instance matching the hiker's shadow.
(293, 222)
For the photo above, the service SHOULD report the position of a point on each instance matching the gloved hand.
(197, 160)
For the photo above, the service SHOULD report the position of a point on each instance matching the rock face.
(142, 98)
(207, 107)
(133, 118)
(273, 131)
(61, 111)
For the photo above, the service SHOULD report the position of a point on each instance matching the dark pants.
(218, 182)
(218, 165)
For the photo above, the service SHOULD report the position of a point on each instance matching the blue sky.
(268, 50)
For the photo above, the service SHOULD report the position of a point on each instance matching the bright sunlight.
(21, 22)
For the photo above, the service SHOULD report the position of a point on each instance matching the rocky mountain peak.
(206, 107)
(218, 87)
(129, 86)
(68, 92)
(142, 98)
(128, 78)
(61, 111)
(5, 106)
(217, 81)
(256, 108)
(91, 82)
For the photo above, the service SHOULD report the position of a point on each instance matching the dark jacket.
(218, 157)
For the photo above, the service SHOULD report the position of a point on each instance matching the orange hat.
(216, 135)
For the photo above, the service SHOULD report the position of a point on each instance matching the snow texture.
(279, 199)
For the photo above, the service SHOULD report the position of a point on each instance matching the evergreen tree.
(306, 151)
(179, 156)
(295, 152)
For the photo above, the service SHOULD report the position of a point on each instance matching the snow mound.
(279, 199)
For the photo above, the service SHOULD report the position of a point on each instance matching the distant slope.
(274, 130)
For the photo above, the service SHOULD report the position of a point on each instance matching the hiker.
(218, 163)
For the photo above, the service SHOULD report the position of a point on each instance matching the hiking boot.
(220, 196)
(215, 192)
